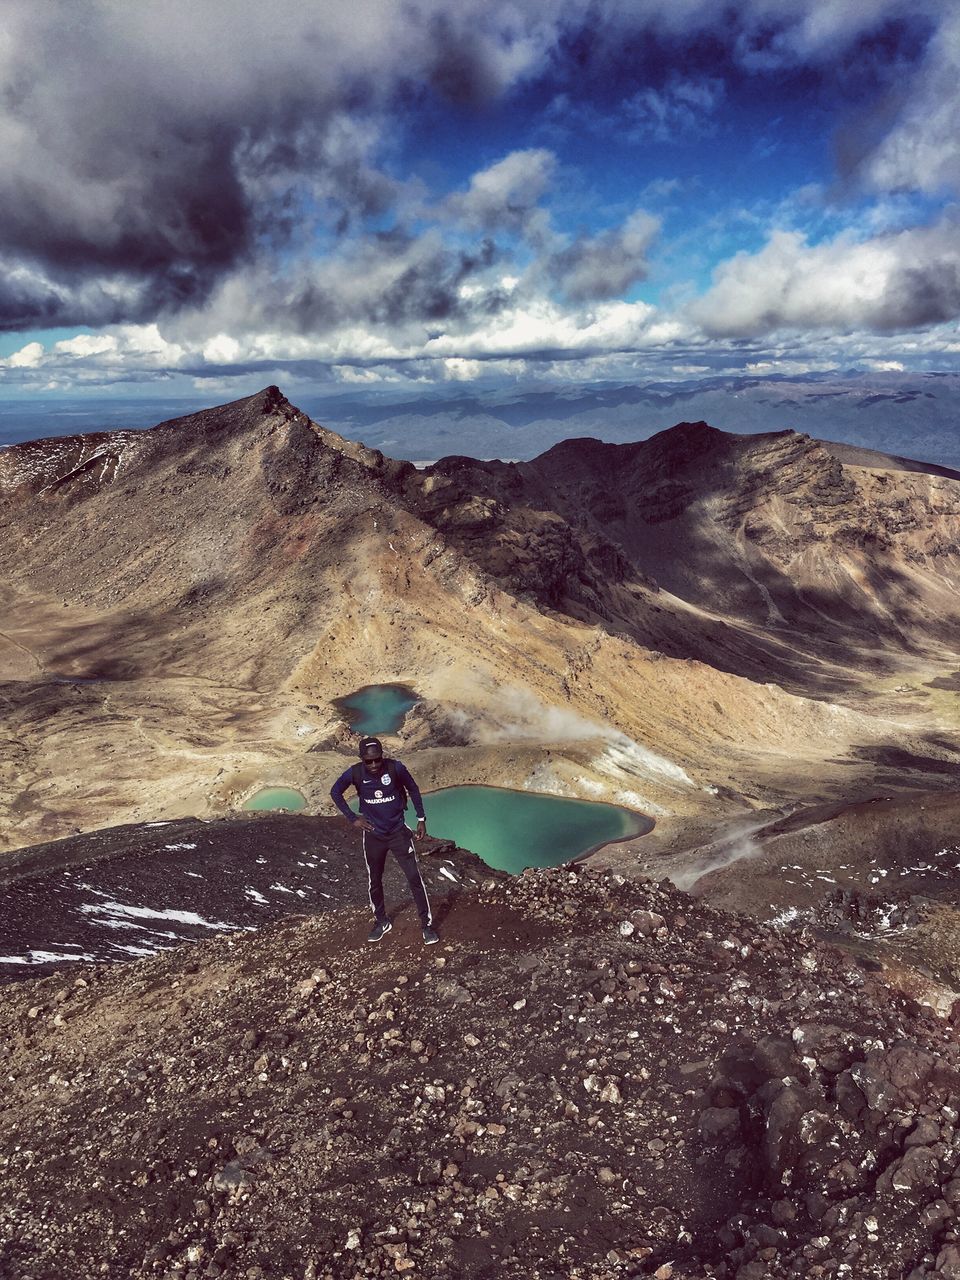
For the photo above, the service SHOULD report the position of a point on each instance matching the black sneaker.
(430, 935)
(379, 930)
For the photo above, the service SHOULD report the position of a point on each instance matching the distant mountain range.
(910, 414)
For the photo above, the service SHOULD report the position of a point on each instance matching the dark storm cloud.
(197, 212)
(27, 302)
(153, 152)
(162, 146)
(389, 281)
(30, 300)
(921, 296)
(462, 70)
(604, 266)
(105, 176)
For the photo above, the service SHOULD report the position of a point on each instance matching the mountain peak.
(269, 400)
(699, 436)
(237, 415)
(673, 447)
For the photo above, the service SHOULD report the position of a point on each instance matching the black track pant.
(400, 844)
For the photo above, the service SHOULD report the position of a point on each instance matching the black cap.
(370, 748)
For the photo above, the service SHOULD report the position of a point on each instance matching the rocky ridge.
(694, 539)
(696, 542)
(588, 1079)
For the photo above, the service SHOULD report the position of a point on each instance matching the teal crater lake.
(272, 798)
(513, 830)
(377, 708)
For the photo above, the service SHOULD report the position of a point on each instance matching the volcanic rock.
(334, 1147)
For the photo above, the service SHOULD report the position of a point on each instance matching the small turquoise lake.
(377, 708)
(273, 798)
(512, 830)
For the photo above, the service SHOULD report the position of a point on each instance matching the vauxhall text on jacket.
(381, 796)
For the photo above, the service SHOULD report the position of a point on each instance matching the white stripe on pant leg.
(422, 885)
(369, 875)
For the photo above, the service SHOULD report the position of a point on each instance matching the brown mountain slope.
(202, 523)
(214, 583)
(774, 558)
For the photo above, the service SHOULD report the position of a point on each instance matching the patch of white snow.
(123, 911)
(45, 957)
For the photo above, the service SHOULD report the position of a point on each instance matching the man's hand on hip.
(365, 824)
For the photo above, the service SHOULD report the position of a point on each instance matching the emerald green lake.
(511, 830)
(377, 708)
(277, 798)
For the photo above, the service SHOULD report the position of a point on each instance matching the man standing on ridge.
(382, 787)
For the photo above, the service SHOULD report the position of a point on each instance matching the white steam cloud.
(504, 714)
(736, 844)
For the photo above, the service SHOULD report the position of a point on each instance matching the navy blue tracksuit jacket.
(380, 799)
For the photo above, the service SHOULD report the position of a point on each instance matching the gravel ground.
(588, 1078)
(127, 891)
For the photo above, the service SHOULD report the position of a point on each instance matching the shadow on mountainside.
(158, 643)
(596, 554)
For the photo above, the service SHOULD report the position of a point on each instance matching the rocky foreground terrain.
(131, 891)
(588, 1078)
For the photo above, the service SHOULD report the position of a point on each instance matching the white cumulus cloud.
(891, 283)
(28, 357)
(922, 150)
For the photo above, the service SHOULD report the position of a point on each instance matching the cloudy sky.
(207, 197)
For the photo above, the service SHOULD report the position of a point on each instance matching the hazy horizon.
(913, 416)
